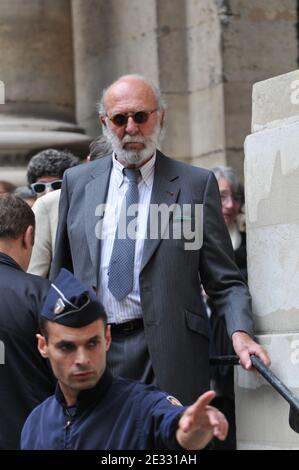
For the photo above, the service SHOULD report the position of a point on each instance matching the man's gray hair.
(231, 176)
(99, 147)
(156, 90)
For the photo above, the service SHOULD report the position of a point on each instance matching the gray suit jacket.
(175, 323)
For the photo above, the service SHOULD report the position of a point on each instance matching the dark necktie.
(121, 266)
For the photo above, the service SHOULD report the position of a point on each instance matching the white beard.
(133, 157)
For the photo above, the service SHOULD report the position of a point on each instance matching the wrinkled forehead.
(129, 96)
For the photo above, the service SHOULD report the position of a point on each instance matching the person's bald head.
(143, 87)
(132, 116)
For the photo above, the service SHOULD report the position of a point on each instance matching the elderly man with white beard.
(150, 281)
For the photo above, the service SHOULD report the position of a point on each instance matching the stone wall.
(272, 194)
(36, 57)
(57, 55)
(174, 43)
(259, 41)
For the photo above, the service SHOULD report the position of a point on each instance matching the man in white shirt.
(159, 328)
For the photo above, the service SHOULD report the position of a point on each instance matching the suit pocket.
(197, 322)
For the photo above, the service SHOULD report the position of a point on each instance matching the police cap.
(70, 303)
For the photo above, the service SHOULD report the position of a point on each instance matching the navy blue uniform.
(117, 414)
(25, 378)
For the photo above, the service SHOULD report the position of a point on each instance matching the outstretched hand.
(200, 422)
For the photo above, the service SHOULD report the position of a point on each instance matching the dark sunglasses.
(39, 187)
(140, 117)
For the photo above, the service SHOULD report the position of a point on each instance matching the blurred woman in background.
(222, 377)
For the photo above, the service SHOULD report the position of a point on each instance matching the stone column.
(191, 79)
(111, 38)
(36, 58)
(259, 40)
(176, 44)
(272, 208)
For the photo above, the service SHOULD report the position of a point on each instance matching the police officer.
(91, 409)
(25, 378)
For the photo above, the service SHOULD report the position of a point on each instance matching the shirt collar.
(235, 235)
(146, 170)
(87, 397)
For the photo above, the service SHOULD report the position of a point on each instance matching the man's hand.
(244, 346)
(200, 422)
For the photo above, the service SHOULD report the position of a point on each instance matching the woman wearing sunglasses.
(45, 170)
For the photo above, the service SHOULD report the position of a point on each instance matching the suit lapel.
(166, 189)
(95, 195)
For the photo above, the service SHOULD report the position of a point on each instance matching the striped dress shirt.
(130, 307)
